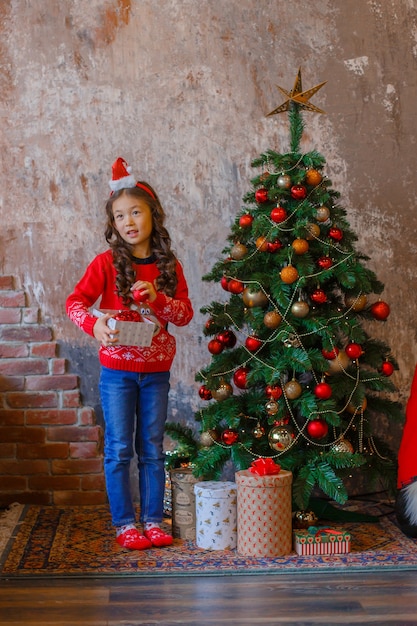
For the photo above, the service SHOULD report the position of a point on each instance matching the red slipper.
(158, 537)
(133, 540)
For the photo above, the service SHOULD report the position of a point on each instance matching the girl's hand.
(142, 291)
(105, 335)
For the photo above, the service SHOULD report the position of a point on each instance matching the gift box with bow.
(321, 540)
(134, 328)
(264, 510)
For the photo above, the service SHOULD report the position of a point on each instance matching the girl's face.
(133, 222)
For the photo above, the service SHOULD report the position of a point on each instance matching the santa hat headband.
(123, 179)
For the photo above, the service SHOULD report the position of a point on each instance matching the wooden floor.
(372, 598)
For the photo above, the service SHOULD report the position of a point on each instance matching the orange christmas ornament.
(313, 177)
(262, 244)
(272, 319)
(289, 274)
(300, 246)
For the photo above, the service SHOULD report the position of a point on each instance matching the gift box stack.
(321, 540)
(254, 515)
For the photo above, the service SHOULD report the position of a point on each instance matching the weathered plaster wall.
(181, 88)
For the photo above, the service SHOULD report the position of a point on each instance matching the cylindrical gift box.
(216, 523)
(183, 503)
(264, 523)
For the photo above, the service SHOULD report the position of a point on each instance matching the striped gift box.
(321, 541)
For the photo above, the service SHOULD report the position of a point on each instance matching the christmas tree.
(295, 375)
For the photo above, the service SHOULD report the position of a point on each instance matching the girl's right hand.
(105, 335)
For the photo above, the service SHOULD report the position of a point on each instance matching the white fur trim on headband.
(123, 183)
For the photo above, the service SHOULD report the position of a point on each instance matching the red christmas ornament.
(324, 262)
(205, 393)
(235, 286)
(387, 368)
(230, 436)
(273, 391)
(274, 246)
(139, 296)
(353, 350)
(380, 310)
(298, 192)
(330, 354)
(261, 195)
(227, 338)
(317, 429)
(240, 377)
(319, 296)
(323, 391)
(278, 214)
(245, 221)
(253, 343)
(209, 323)
(224, 283)
(215, 346)
(335, 233)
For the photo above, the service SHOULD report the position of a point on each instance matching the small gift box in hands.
(134, 329)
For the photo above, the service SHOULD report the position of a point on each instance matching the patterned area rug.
(79, 542)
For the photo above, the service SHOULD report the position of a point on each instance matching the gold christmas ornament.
(272, 319)
(280, 438)
(339, 364)
(292, 341)
(284, 181)
(322, 214)
(300, 309)
(254, 297)
(356, 303)
(223, 391)
(208, 437)
(293, 389)
(313, 231)
(258, 432)
(342, 445)
(238, 252)
(356, 408)
(304, 519)
(271, 407)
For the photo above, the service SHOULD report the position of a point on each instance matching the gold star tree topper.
(298, 97)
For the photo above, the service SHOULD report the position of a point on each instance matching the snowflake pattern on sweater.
(99, 282)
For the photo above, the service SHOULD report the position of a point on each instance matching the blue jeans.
(131, 400)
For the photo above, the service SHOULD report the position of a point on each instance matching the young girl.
(138, 271)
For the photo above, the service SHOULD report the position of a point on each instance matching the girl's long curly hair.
(160, 245)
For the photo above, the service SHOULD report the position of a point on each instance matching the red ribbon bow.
(264, 467)
(322, 530)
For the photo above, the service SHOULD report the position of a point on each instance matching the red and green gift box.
(321, 540)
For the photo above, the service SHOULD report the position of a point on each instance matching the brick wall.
(50, 446)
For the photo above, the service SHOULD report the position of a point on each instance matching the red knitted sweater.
(98, 281)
